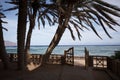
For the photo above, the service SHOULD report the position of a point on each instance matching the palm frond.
(104, 14)
(71, 32)
(92, 17)
(104, 28)
(102, 18)
(93, 28)
(74, 22)
(5, 28)
(2, 15)
(110, 26)
(1, 21)
(107, 5)
(41, 15)
(49, 19)
(13, 8)
(76, 28)
(13, 2)
(1, 12)
(81, 23)
(110, 11)
(43, 21)
(53, 13)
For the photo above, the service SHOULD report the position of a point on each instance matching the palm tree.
(63, 22)
(36, 6)
(21, 29)
(39, 9)
(3, 53)
(81, 14)
(21, 32)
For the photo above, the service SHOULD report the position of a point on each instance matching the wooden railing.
(98, 61)
(95, 61)
(13, 57)
(67, 58)
(36, 58)
(55, 59)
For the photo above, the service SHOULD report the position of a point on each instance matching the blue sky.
(45, 35)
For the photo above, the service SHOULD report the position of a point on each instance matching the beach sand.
(55, 72)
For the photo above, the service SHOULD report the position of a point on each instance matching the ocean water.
(78, 49)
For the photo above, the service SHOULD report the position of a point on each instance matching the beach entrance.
(70, 59)
(69, 56)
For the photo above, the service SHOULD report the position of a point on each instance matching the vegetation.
(116, 56)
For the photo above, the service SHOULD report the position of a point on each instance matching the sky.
(45, 35)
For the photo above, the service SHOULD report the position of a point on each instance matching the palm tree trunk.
(32, 18)
(27, 46)
(28, 41)
(3, 53)
(53, 43)
(21, 31)
(58, 35)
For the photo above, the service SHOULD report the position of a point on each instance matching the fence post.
(73, 54)
(86, 58)
(11, 57)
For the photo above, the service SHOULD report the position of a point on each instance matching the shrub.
(116, 56)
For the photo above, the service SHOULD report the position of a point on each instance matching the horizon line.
(72, 45)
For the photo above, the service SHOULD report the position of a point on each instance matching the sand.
(55, 72)
(78, 61)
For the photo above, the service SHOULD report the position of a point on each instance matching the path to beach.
(56, 72)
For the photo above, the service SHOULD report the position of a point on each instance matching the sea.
(102, 50)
